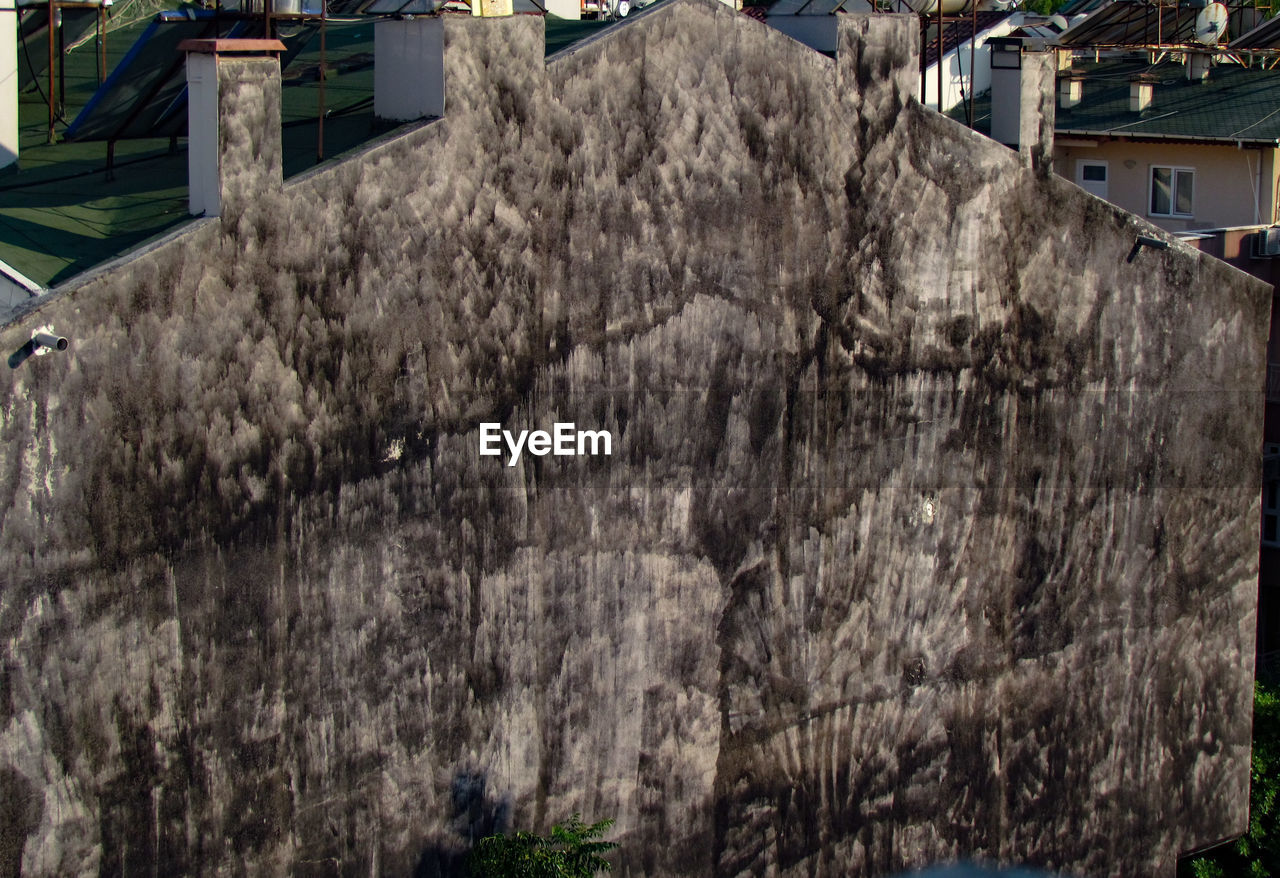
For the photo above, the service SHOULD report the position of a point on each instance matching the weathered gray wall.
(249, 135)
(930, 528)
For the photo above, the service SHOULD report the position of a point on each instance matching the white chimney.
(1141, 94)
(408, 68)
(226, 173)
(1006, 88)
(8, 83)
(1070, 92)
(1022, 107)
(1198, 66)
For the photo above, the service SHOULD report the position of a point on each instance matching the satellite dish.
(1211, 24)
(1058, 21)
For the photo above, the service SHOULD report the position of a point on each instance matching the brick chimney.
(233, 117)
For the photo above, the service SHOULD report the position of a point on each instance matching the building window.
(1091, 176)
(1172, 191)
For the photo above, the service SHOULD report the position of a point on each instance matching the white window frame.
(1174, 171)
(1081, 164)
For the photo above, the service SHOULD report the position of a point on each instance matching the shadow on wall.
(475, 816)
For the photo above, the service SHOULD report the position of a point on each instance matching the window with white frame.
(1172, 191)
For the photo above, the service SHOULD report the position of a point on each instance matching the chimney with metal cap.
(1022, 100)
(1006, 88)
(233, 117)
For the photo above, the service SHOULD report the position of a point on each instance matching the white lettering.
(564, 439)
(489, 433)
(539, 442)
(560, 441)
(514, 446)
(595, 436)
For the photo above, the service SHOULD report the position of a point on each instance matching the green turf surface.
(60, 214)
(562, 33)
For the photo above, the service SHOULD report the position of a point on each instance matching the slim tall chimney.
(408, 70)
(1006, 89)
(1022, 100)
(8, 83)
(233, 122)
(1141, 94)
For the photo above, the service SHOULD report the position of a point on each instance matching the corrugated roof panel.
(1134, 23)
(403, 7)
(788, 7)
(1081, 7)
(1264, 36)
(956, 32)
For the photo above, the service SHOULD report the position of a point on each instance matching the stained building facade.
(928, 531)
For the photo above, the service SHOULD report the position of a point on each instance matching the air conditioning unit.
(1266, 243)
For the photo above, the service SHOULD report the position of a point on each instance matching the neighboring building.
(1182, 152)
(966, 63)
(966, 66)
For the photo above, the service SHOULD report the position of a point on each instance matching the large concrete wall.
(930, 527)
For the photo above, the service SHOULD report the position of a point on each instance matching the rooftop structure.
(62, 213)
(1234, 105)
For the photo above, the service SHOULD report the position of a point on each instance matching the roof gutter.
(1186, 138)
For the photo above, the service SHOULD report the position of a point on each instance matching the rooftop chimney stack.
(9, 78)
(1022, 104)
(1070, 92)
(233, 118)
(1036, 110)
(1006, 88)
(1198, 66)
(1141, 93)
(408, 77)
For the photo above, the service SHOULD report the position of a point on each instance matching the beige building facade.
(1178, 186)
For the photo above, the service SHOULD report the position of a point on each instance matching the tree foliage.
(1257, 853)
(573, 850)
(1043, 7)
